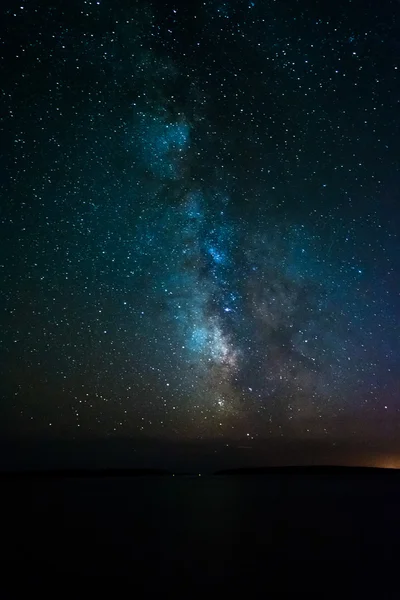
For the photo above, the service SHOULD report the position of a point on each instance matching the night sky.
(199, 220)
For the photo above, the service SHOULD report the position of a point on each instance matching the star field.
(199, 222)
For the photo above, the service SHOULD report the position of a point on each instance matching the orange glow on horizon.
(388, 462)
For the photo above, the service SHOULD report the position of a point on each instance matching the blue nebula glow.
(199, 339)
(218, 256)
(163, 145)
(194, 205)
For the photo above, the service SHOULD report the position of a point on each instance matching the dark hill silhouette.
(85, 473)
(329, 470)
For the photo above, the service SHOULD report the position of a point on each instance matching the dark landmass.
(207, 456)
(240, 525)
(85, 473)
(330, 470)
(317, 470)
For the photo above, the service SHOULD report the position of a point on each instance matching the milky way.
(199, 221)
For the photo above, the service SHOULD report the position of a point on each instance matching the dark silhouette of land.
(326, 470)
(236, 525)
(313, 470)
(83, 473)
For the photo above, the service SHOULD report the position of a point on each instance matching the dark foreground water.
(208, 529)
